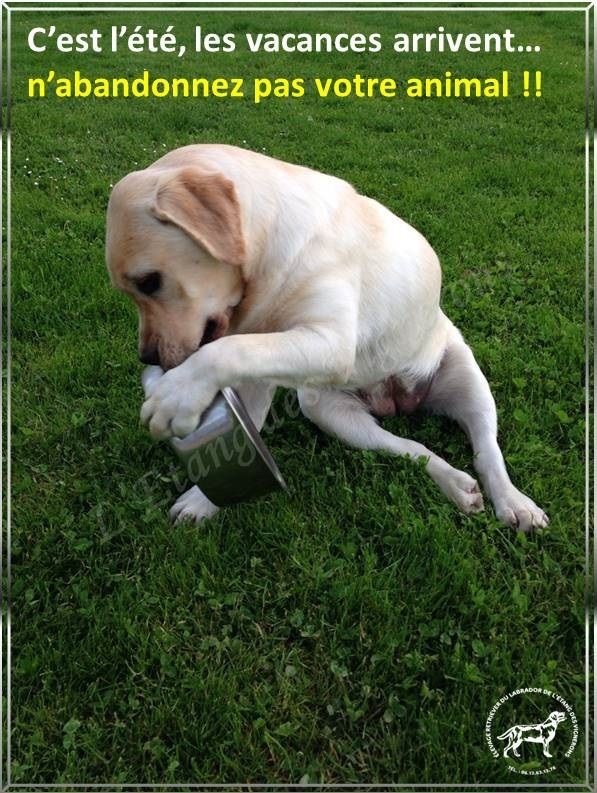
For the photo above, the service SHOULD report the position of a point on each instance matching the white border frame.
(7, 7)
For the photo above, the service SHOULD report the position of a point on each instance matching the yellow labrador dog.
(252, 272)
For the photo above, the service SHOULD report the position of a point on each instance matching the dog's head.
(557, 716)
(174, 243)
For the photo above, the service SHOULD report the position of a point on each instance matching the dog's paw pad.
(192, 506)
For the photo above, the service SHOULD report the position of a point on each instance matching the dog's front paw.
(193, 506)
(150, 378)
(177, 400)
(519, 511)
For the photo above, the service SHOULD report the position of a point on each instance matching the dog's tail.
(506, 734)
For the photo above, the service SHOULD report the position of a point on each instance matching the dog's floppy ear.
(205, 206)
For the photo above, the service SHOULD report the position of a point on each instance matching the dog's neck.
(280, 261)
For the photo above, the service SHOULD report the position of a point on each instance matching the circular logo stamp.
(532, 730)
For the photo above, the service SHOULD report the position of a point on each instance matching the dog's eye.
(150, 283)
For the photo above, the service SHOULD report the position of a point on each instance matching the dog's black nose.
(150, 356)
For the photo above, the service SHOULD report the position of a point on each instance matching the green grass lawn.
(358, 629)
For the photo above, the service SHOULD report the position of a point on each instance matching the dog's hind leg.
(344, 415)
(194, 505)
(459, 390)
(507, 747)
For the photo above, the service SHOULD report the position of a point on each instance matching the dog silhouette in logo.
(533, 733)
